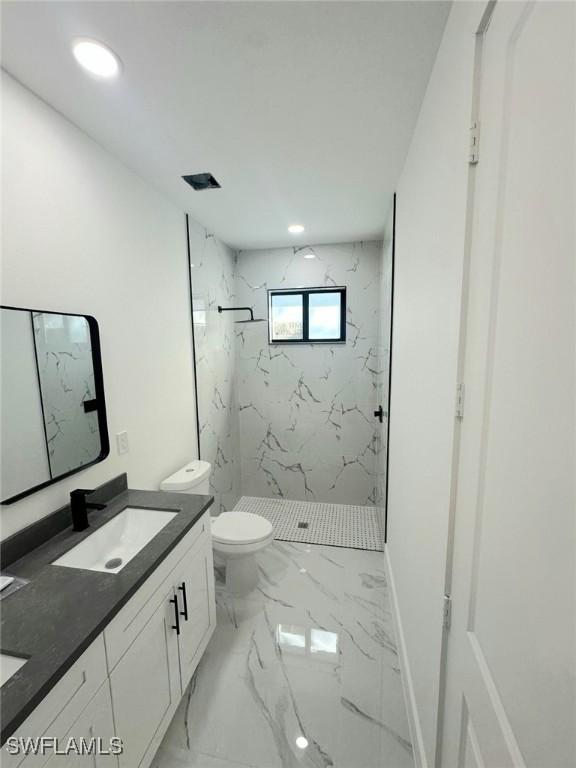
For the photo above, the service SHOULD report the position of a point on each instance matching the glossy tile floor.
(302, 672)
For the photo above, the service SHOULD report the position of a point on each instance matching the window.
(310, 315)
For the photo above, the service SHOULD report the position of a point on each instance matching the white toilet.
(236, 536)
(192, 478)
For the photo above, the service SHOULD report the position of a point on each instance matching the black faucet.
(79, 506)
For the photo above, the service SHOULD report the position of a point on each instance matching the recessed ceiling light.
(295, 229)
(307, 252)
(96, 58)
(302, 742)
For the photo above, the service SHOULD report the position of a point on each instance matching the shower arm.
(237, 309)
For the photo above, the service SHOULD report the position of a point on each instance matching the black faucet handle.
(79, 506)
(77, 492)
(82, 493)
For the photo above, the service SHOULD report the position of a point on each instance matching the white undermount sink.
(9, 665)
(113, 545)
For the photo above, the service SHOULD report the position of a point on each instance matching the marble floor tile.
(302, 672)
(171, 757)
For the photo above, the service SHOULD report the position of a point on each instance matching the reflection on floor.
(303, 672)
(338, 525)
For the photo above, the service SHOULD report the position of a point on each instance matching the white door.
(510, 663)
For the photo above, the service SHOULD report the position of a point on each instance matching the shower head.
(242, 309)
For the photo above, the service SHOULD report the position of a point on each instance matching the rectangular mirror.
(52, 409)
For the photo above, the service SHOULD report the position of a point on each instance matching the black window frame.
(305, 294)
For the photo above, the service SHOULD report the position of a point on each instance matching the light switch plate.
(122, 443)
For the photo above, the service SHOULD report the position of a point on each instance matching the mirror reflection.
(52, 403)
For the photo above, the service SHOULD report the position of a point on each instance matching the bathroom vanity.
(108, 654)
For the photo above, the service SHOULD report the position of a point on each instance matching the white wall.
(83, 234)
(431, 206)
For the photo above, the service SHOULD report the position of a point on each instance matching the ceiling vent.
(200, 181)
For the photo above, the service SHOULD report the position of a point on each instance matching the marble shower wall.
(306, 411)
(213, 273)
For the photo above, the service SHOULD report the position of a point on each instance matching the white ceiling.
(303, 111)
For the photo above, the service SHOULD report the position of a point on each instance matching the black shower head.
(242, 309)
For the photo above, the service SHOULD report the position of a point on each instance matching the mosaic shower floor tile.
(310, 522)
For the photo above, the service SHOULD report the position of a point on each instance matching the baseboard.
(420, 760)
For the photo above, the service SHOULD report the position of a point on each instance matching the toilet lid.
(240, 528)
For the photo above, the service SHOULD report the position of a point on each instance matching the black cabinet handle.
(184, 613)
(176, 614)
(379, 414)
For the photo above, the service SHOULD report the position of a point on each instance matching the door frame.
(464, 302)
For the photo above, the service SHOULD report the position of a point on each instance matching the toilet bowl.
(237, 537)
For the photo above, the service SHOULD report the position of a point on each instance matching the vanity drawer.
(132, 619)
(60, 708)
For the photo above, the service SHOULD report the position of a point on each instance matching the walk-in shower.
(296, 425)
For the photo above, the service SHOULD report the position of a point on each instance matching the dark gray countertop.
(53, 619)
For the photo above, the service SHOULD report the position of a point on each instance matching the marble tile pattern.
(213, 284)
(303, 672)
(306, 412)
(337, 525)
(66, 373)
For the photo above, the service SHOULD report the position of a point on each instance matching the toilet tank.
(192, 478)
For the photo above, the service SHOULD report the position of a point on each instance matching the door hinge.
(460, 401)
(447, 612)
(474, 147)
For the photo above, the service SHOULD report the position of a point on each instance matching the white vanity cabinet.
(79, 701)
(95, 722)
(130, 681)
(195, 595)
(146, 685)
(155, 643)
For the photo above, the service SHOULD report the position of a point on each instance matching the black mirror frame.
(99, 396)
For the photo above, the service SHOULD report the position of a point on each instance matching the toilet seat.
(238, 529)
